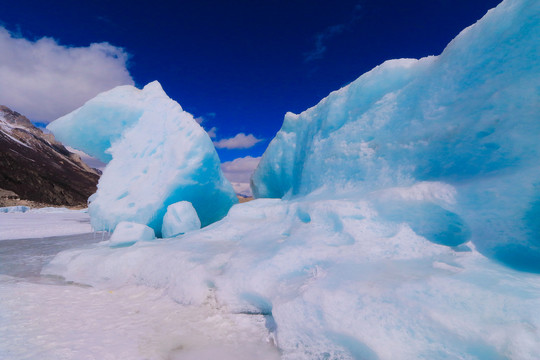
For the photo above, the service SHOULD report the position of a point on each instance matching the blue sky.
(239, 65)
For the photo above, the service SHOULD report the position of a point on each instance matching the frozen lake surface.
(24, 258)
(45, 317)
(40, 223)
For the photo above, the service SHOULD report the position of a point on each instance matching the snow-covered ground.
(45, 317)
(47, 321)
(336, 280)
(45, 222)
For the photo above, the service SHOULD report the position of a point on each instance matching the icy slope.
(160, 156)
(469, 117)
(467, 113)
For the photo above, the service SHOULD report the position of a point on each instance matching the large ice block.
(160, 156)
(468, 118)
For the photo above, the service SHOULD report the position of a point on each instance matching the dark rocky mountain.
(37, 168)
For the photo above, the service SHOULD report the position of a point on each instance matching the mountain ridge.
(38, 168)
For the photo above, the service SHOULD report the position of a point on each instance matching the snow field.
(45, 222)
(43, 317)
(55, 322)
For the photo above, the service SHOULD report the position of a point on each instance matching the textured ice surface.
(462, 115)
(180, 218)
(334, 281)
(129, 232)
(94, 127)
(160, 155)
(390, 184)
(469, 117)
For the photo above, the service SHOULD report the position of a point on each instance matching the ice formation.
(334, 281)
(129, 232)
(94, 127)
(468, 117)
(385, 184)
(180, 218)
(160, 156)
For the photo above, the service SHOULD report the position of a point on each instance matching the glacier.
(396, 219)
(468, 118)
(157, 155)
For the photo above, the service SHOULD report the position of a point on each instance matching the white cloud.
(239, 141)
(88, 160)
(212, 132)
(239, 172)
(44, 80)
(201, 119)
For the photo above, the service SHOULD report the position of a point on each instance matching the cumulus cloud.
(239, 141)
(44, 80)
(239, 172)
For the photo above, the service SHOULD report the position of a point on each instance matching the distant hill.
(36, 167)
